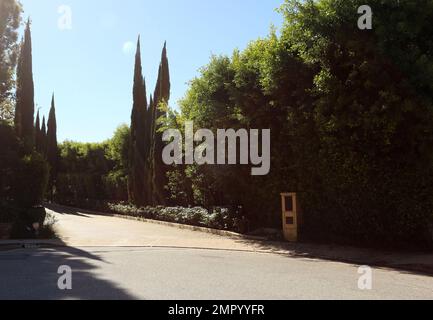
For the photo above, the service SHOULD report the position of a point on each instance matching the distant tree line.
(91, 173)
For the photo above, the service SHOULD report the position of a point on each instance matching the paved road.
(164, 273)
(112, 258)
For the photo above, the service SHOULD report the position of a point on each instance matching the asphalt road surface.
(113, 258)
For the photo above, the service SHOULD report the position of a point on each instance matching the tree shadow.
(67, 210)
(33, 275)
(409, 263)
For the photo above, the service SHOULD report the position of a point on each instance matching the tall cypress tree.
(43, 137)
(161, 98)
(52, 147)
(148, 146)
(38, 133)
(25, 106)
(137, 187)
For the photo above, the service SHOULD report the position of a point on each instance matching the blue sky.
(90, 66)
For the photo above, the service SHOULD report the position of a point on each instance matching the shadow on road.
(66, 210)
(33, 275)
(408, 263)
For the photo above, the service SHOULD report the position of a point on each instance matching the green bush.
(9, 158)
(219, 218)
(223, 218)
(30, 181)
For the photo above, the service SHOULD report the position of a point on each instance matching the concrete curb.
(222, 233)
(12, 244)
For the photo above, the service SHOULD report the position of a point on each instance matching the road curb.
(222, 233)
(6, 244)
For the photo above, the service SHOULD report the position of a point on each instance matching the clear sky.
(90, 66)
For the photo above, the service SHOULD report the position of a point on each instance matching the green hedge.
(30, 181)
(217, 218)
(23, 178)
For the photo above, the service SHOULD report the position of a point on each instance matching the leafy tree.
(350, 114)
(81, 171)
(118, 148)
(10, 19)
(94, 172)
(118, 153)
(372, 111)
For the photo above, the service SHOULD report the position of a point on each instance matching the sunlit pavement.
(79, 229)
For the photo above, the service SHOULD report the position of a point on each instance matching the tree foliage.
(94, 171)
(23, 168)
(350, 113)
(25, 92)
(138, 190)
(23, 178)
(351, 119)
(10, 18)
(159, 112)
(147, 173)
(52, 147)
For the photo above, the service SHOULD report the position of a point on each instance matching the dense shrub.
(30, 181)
(23, 179)
(225, 218)
(218, 218)
(9, 157)
(370, 179)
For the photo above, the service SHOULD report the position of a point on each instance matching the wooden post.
(290, 215)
